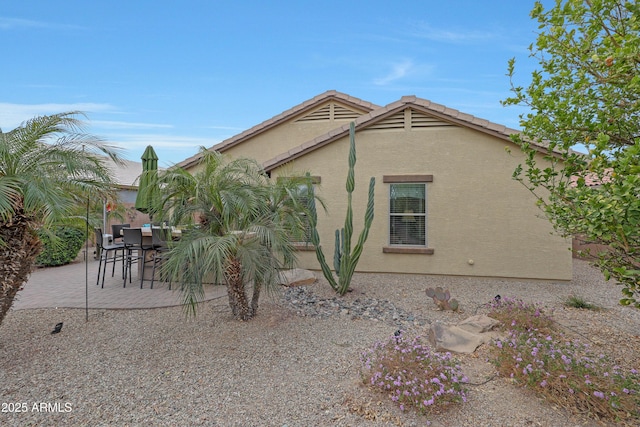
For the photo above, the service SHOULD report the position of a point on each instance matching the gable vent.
(419, 120)
(330, 112)
(395, 121)
(320, 114)
(342, 113)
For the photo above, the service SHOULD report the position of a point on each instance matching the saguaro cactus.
(344, 260)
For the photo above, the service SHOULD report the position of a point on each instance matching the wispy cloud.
(133, 141)
(12, 115)
(406, 71)
(7, 23)
(236, 129)
(426, 31)
(171, 149)
(398, 71)
(128, 125)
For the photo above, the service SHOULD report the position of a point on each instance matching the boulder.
(297, 277)
(465, 337)
(453, 339)
(479, 324)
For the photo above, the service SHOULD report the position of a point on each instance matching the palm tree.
(242, 225)
(47, 165)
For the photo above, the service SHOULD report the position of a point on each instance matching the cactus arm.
(337, 254)
(350, 186)
(351, 181)
(315, 240)
(368, 220)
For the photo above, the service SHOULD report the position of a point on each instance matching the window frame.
(408, 248)
(307, 245)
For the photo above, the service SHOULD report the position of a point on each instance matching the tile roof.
(439, 111)
(284, 116)
(375, 114)
(126, 174)
(591, 179)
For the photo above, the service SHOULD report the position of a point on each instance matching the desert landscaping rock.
(297, 277)
(465, 337)
(479, 324)
(295, 364)
(305, 303)
(451, 338)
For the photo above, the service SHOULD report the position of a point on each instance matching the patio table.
(147, 239)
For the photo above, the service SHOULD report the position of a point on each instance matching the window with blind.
(302, 194)
(408, 214)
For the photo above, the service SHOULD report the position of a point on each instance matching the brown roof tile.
(591, 179)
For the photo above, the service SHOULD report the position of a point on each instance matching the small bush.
(515, 314)
(412, 375)
(62, 252)
(579, 302)
(563, 371)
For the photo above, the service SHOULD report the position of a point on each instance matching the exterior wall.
(130, 215)
(480, 222)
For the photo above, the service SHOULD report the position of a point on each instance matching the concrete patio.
(64, 287)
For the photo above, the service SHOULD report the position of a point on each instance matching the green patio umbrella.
(147, 187)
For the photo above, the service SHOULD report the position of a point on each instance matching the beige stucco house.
(445, 200)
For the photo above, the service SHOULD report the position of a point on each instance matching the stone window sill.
(304, 247)
(407, 250)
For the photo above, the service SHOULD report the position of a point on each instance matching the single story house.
(445, 200)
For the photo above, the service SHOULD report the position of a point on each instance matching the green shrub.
(63, 251)
(412, 375)
(564, 372)
(579, 302)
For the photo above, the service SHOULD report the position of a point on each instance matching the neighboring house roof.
(430, 109)
(591, 179)
(330, 95)
(126, 174)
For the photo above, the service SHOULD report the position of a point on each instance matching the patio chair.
(116, 230)
(105, 251)
(132, 238)
(159, 238)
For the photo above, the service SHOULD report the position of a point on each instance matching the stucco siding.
(479, 220)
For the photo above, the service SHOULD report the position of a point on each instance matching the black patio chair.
(105, 251)
(132, 238)
(159, 239)
(116, 230)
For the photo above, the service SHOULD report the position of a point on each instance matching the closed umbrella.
(147, 187)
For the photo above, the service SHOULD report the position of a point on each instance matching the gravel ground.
(295, 364)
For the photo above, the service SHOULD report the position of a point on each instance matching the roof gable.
(409, 112)
(326, 106)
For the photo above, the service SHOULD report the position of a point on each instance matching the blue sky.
(179, 75)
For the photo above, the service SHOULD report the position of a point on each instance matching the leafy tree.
(242, 226)
(47, 165)
(587, 93)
